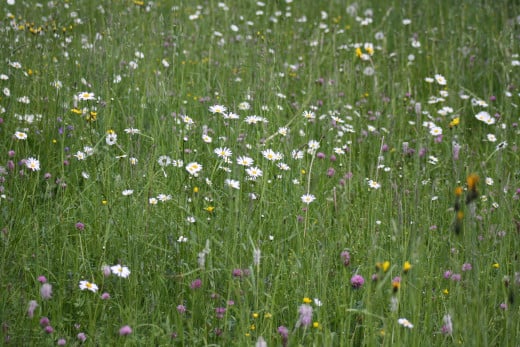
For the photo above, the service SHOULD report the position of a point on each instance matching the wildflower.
(305, 319)
(472, 181)
(485, 117)
(309, 115)
(244, 161)
(345, 256)
(111, 138)
(496, 265)
(132, 131)
(405, 323)
(232, 183)
(120, 271)
(127, 192)
(447, 328)
(383, 266)
(86, 96)
(257, 254)
(223, 152)
(80, 155)
(164, 160)
(260, 342)
(454, 122)
(193, 168)
(20, 135)
(61, 342)
(153, 201)
(307, 300)
(435, 131)
(466, 267)
(373, 184)
(86, 285)
(357, 281)
(440, 79)
(308, 198)
(32, 307)
(164, 197)
(219, 312)
(217, 109)
(196, 284)
(313, 146)
(105, 296)
(407, 266)
(125, 330)
(284, 333)
(82, 337)
(254, 172)
(396, 283)
(46, 291)
(33, 164)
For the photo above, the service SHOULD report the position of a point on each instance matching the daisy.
(120, 271)
(491, 138)
(164, 160)
(283, 166)
(80, 155)
(231, 115)
(111, 138)
(206, 138)
(297, 154)
(244, 106)
(232, 183)
(132, 131)
(489, 181)
(244, 161)
(269, 154)
(283, 131)
(217, 109)
(164, 197)
(20, 135)
(483, 116)
(127, 192)
(193, 168)
(373, 184)
(313, 146)
(152, 201)
(33, 164)
(86, 96)
(436, 131)
(440, 79)
(223, 152)
(86, 285)
(254, 172)
(308, 198)
(405, 323)
(309, 115)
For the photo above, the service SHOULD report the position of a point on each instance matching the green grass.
(149, 65)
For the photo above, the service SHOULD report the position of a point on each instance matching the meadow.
(259, 173)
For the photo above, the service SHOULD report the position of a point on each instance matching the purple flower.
(42, 279)
(345, 256)
(456, 277)
(284, 333)
(125, 330)
(320, 155)
(219, 312)
(196, 284)
(105, 296)
(181, 308)
(48, 329)
(46, 291)
(447, 274)
(82, 337)
(447, 328)
(61, 342)
(32, 306)
(357, 281)
(45, 321)
(106, 270)
(305, 312)
(80, 226)
(331, 172)
(466, 267)
(237, 273)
